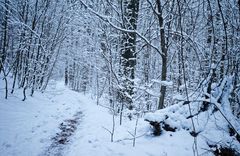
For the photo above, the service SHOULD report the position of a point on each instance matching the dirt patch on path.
(62, 138)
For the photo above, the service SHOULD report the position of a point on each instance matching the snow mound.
(212, 127)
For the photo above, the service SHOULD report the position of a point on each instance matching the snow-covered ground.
(27, 128)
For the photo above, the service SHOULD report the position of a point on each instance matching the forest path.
(62, 139)
(30, 127)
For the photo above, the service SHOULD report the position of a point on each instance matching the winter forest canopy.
(146, 57)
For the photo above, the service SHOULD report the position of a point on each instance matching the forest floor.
(61, 122)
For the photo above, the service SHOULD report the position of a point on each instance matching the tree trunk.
(5, 37)
(129, 49)
(163, 55)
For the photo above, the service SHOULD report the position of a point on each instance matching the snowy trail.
(61, 140)
(27, 128)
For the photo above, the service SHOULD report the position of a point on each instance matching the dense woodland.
(141, 55)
